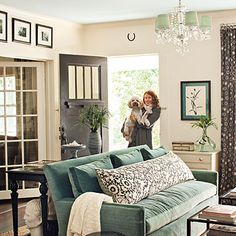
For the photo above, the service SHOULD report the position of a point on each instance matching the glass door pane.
(21, 87)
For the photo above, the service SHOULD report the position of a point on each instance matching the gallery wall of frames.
(21, 31)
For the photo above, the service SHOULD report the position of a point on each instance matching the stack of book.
(225, 213)
(183, 146)
(37, 165)
(222, 230)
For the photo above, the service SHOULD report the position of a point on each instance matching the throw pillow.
(153, 153)
(84, 177)
(130, 184)
(126, 159)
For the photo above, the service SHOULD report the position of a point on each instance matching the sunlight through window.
(129, 76)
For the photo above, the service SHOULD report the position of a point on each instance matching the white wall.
(202, 63)
(66, 39)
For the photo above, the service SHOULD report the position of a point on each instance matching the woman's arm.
(154, 116)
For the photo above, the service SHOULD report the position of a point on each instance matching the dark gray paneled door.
(83, 81)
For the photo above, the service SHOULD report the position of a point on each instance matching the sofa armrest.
(206, 176)
(63, 208)
(128, 220)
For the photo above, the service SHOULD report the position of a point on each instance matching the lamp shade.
(162, 22)
(205, 23)
(191, 18)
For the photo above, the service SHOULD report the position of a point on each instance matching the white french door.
(22, 121)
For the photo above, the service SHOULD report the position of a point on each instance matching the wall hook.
(129, 38)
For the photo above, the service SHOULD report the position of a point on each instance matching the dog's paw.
(148, 109)
(141, 121)
(132, 118)
(147, 122)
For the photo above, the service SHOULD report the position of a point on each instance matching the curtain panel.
(228, 108)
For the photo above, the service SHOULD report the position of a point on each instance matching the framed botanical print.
(3, 26)
(195, 99)
(21, 31)
(44, 36)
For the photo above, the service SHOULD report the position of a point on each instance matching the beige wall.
(202, 63)
(67, 39)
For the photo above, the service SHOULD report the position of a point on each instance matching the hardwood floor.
(6, 214)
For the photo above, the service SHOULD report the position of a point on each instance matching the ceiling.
(98, 11)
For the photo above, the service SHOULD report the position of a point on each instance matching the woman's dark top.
(143, 134)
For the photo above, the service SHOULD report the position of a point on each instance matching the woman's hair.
(155, 99)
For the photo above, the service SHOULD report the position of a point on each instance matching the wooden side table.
(28, 174)
(200, 160)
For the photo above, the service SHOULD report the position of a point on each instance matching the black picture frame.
(21, 31)
(3, 26)
(44, 36)
(195, 99)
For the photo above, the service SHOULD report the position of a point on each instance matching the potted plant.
(94, 117)
(205, 143)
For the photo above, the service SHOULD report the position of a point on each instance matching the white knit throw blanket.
(85, 214)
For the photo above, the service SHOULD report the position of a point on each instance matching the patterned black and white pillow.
(130, 184)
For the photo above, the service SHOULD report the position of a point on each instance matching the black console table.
(28, 174)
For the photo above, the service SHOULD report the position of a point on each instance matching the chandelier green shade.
(205, 23)
(179, 27)
(162, 22)
(191, 18)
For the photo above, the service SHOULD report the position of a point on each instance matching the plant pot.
(94, 142)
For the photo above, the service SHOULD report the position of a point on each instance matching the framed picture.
(195, 99)
(44, 36)
(21, 31)
(3, 26)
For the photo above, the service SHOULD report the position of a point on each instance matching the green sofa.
(162, 214)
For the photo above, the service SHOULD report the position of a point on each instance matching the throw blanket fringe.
(85, 214)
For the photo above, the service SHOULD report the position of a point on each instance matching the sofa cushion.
(153, 153)
(84, 177)
(126, 159)
(170, 204)
(129, 184)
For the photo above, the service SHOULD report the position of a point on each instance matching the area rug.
(22, 231)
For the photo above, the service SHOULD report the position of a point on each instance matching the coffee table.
(208, 222)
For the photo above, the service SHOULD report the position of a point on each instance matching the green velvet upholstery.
(153, 153)
(130, 220)
(173, 202)
(125, 219)
(126, 159)
(60, 186)
(179, 227)
(206, 176)
(84, 177)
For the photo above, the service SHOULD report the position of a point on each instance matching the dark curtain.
(228, 108)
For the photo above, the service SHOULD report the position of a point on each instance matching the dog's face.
(135, 102)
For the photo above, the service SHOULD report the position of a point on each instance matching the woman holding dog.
(142, 132)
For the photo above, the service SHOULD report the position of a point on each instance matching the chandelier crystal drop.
(179, 27)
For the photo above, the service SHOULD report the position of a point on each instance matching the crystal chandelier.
(180, 26)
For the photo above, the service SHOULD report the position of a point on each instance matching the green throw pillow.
(153, 153)
(84, 177)
(126, 159)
